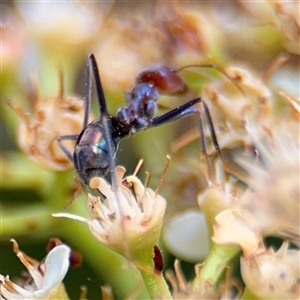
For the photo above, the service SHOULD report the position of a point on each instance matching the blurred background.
(44, 50)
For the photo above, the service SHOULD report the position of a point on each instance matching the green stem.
(219, 256)
(156, 286)
(19, 172)
(59, 193)
(218, 259)
(35, 218)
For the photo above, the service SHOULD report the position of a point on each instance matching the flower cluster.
(269, 207)
(242, 59)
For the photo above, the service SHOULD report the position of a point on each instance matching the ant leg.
(88, 94)
(105, 119)
(99, 89)
(211, 128)
(92, 63)
(176, 113)
(73, 137)
(186, 110)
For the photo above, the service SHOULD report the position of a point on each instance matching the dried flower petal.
(37, 133)
(289, 23)
(243, 97)
(46, 276)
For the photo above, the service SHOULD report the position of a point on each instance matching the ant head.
(87, 166)
(91, 154)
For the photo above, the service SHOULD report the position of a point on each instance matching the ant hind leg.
(189, 109)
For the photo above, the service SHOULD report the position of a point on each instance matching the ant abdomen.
(163, 78)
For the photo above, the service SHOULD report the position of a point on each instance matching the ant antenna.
(216, 67)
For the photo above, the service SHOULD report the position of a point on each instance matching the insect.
(97, 144)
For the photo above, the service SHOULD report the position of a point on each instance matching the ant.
(97, 144)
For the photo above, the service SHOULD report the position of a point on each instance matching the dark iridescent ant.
(97, 144)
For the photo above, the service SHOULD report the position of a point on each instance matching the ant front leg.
(189, 109)
(88, 96)
(73, 137)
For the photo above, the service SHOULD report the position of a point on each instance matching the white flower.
(273, 275)
(236, 226)
(266, 273)
(45, 277)
(274, 180)
(127, 221)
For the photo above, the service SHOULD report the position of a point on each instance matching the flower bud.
(51, 117)
(273, 275)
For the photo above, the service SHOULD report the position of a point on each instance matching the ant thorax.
(141, 107)
(142, 100)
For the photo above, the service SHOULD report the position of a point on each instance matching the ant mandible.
(97, 144)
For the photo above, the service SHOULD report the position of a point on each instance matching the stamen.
(163, 175)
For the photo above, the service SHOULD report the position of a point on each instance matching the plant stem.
(216, 263)
(34, 218)
(156, 286)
